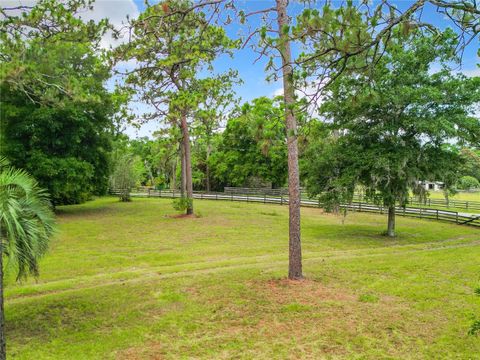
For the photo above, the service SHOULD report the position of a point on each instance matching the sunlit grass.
(127, 281)
(462, 195)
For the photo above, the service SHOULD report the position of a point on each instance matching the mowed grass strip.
(128, 281)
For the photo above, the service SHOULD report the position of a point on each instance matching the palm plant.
(26, 225)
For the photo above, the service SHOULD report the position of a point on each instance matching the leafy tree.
(347, 37)
(253, 146)
(37, 43)
(471, 162)
(394, 123)
(56, 114)
(173, 42)
(144, 149)
(216, 104)
(468, 183)
(65, 148)
(26, 225)
(126, 174)
(166, 156)
(327, 168)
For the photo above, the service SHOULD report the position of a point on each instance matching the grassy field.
(457, 202)
(129, 281)
(464, 196)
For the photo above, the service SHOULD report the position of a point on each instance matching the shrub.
(475, 328)
(468, 182)
(181, 204)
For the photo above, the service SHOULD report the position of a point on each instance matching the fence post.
(437, 214)
(148, 193)
(160, 193)
(173, 193)
(360, 206)
(429, 202)
(232, 195)
(456, 217)
(216, 196)
(281, 199)
(247, 197)
(466, 205)
(265, 197)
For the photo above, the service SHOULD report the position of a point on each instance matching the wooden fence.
(417, 212)
(454, 203)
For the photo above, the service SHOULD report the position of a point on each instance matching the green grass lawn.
(463, 196)
(457, 202)
(128, 281)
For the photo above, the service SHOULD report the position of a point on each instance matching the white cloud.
(278, 92)
(472, 72)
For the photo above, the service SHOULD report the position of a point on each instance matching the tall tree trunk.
(183, 181)
(447, 198)
(295, 248)
(391, 221)
(188, 163)
(3, 342)
(207, 170)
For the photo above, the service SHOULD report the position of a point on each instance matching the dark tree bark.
(295, 248)
(3, 342)
(188, 163)
(391, 221)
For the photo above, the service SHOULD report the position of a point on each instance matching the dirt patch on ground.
(309, 310)
(154, 351)
(304, 291)
(320, 321)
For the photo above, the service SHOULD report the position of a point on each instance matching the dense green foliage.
(391, 126)
(470, 163)
(56, 113)
(252, 149)
(41, 47)
(468, 183)
(65, 148)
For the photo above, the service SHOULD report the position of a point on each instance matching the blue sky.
(253, 74)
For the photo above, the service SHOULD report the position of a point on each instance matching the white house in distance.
(432, 185)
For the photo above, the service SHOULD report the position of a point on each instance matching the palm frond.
(26, 220)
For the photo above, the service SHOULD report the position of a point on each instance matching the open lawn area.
(129, 281)
(464, 196)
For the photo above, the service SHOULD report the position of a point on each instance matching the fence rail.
(454, 203)
(417, 212)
